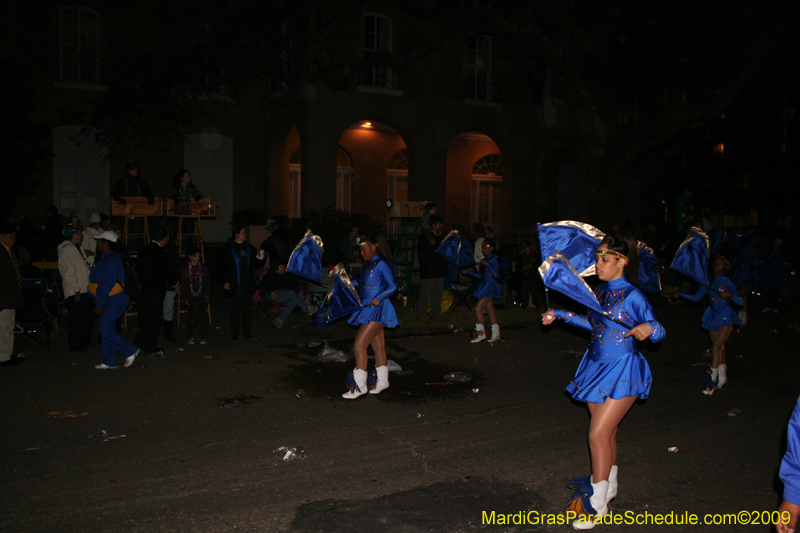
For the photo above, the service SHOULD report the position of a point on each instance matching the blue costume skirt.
(726, 317)
(488, 289)
(615, 378)
(383, 313)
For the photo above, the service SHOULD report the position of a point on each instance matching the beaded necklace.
(195, 275)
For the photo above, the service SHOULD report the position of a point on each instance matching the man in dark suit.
(151, 268)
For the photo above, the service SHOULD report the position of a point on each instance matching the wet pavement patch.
(420, 381)
(238, 401)
(447, 507)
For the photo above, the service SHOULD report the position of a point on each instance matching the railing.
(482, 91)
(81, 72)
(381, 76)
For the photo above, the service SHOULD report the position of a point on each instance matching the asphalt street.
(196, 440)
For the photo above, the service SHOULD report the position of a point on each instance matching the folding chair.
(34, 319)
(461, 291)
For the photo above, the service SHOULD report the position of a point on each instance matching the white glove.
(261, 254)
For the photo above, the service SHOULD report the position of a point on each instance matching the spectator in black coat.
(237, 266)
(432, 269)
(151, 268)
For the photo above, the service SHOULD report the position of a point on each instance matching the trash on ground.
(286, 454)
(794, 325)
(673, 449)
(207, 357)
(180, 349)
(403, 372)
(299, 393)
(734, 412)
(420, 415)
(458, 377)
(476, 391)
(458, 330)
(332, 354)
(739, 357)
(232, 404)
(314, 344)
(392, 366)
(439, 383)
(576, 352)
(65, 414)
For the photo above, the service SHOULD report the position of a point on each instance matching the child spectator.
(195, 290)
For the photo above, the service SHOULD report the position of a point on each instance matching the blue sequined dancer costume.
(719, 312)
(375, 281)
(488, 287)
(612, 367)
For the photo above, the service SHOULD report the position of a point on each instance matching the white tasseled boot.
(613, 485)
(359, 387)
(481, 334)
(495, 333)
(383, 379)
(722, 378)
(599, 503)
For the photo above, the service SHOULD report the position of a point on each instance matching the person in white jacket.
(73, 265)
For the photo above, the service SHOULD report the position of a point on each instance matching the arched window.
(399, 161)
(345, 174)
(487, 189)
(295, 178)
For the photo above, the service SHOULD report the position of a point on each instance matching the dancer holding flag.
(612, 374)
(375, 285)
(718, 319)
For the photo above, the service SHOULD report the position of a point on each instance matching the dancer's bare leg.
(606, 418)
(366, 333)
(379, 347)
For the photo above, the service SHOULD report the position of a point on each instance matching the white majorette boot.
(722, 377)
(383, 379)
(481, 334)
(599, 505)
(613, 484)
(495, 333)
(357, 382)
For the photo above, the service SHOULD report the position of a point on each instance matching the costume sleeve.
(493, 267)
(790, 465)
(730, 286)
(472, 274)
(642, 312)
(701, 292)
(385, 271)
(579, 321)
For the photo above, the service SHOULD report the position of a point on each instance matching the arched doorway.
(397, 182)
(345, 176)
(370, 146)
(487, 192)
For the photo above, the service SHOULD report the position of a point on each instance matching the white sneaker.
(311, 309)
(278, 323)
(129, 360)
(203, 341)
(104, 366)
(190, 341)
